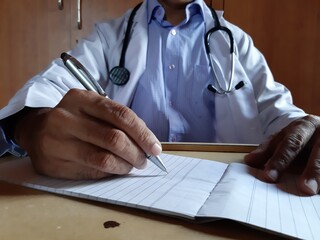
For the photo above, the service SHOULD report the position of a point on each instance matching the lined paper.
(193, 189)
(181, 192)
(281, 208)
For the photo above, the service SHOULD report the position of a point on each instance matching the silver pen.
(86, 79)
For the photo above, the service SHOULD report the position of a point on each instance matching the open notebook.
(194, 189)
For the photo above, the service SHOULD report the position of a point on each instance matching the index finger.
(121, 117)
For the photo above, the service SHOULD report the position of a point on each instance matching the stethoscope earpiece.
(119, 75)
(239, 85)
(211, 88)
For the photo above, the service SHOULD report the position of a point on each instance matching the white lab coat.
(248, 115)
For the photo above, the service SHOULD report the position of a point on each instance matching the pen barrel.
(80, 75)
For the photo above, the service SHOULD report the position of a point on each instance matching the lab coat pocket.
(201, 99)
(237, 116)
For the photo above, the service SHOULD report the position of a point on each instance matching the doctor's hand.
(86, 136)
(296, 146)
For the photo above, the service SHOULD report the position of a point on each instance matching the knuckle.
(99, 101)
(312, 119)
(126, 115)
(107, 163)
(110, 164)
(305, 126)
(97, 159)
(283, 161)
(115, 139)
(295, 142)
(131, 120)
(71, 94)
(74, 93)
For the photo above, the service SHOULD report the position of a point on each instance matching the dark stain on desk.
(111, 224)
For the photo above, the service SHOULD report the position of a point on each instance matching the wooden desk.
(31, 214)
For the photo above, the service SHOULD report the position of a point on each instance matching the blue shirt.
(172, 96)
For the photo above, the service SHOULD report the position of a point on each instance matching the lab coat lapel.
(224, 122)
(136, 56)
(236, 113)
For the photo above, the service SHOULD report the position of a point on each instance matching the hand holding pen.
(86, 79)
(85, 136)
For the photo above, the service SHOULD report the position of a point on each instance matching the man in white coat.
(69, 132)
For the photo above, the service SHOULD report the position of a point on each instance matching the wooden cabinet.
(91, 11)
(32, 32)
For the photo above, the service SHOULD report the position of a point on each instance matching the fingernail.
(156, 149)
(273, 174)
(312, 184)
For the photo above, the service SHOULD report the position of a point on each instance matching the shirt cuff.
(8, 146)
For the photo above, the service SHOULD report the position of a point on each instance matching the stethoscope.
(120, 75)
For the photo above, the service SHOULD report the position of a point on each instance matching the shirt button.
(173, 32)
(172, 66)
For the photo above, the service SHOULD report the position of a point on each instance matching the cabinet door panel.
(32, 33)
(287, 32)
(93, 11)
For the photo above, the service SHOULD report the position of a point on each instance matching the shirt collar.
(155, 10)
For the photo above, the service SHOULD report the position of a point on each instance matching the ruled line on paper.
(181, 192)
(193, 188)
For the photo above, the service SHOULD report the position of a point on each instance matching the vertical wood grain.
(218, 4)
(32, 33)
(94, 11)
(287, 33)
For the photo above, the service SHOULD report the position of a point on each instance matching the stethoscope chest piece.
(119, 75)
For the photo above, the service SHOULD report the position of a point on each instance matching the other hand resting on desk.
(85, 136)
(297, 143)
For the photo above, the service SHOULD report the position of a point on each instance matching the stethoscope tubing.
(120, 75)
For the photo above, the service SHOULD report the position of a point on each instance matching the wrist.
(26, 125)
